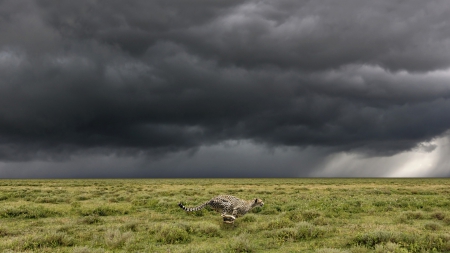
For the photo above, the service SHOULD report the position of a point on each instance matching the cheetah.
(229, 206)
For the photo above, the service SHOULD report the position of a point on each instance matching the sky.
(224, 88)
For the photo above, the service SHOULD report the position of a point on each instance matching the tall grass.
(299, 215)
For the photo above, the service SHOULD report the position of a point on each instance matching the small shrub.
(64, 228)
(380, 203)
(374, 238)
(241, 243)
(404, 219)
(433, 243)
(303, 231)
(257, 209)
(172, 235)
(321, 221)
(92, 219)
(446, 220)
(4, 232)
(351, 206)
(286, 235)
(438, 215)
(49, 200)
(306, 230)
(114, 238)
(248, 218)
(432, 226)
(207, 230)
(200, 213)
(52, 239)
(113, 200)
(188, 227)
(29, 212)
(278, 208)
(382, 237)
(310, 215)
(75, 204)
(414, 215)
(389, 248)
(266, 211)
(130, 226)
(83, 197)
(294, 216)
(291, 207)
(139, 202)
(279, 223)
(405, 239)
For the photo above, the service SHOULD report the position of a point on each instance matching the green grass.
(299, 215)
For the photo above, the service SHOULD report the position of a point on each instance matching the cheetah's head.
(258, 202)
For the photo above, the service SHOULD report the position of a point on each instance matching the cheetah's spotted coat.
(229, 206)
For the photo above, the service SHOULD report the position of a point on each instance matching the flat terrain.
(300, 215)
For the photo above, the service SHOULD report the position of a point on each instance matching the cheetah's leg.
(235, 212)
(226, 217)
(230, 218)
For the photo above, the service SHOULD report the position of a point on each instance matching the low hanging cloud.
(150, 80)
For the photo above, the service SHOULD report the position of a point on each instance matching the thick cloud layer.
(151, 78)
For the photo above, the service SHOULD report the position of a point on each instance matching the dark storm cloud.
(151, 77)
(229, 159)
(310, 35)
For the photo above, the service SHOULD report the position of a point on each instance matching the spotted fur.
(229, 206)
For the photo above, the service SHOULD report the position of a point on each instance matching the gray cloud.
(151, 79)
(229, 159)
(327, 35)
(307, 35)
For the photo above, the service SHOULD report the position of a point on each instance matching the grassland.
(300, 215)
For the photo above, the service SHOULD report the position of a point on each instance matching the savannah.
(299, 215)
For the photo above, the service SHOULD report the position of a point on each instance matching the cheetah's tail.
(192, 209)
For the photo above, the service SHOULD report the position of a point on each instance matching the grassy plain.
(300, 215)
